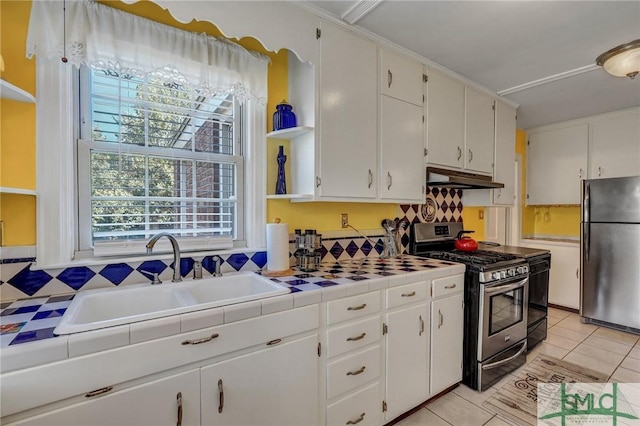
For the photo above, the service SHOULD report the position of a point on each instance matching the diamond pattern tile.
(352, 248)
(149, 267)
(237, 260)
(260, 258)
(28, 281)
(117, 272)
(76, 277)
(336, 250)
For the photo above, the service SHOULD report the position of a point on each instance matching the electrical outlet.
(480, 214)
(345, 220)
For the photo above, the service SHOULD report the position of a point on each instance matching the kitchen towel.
(277, 247)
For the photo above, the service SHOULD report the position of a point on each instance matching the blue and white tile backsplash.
(18, 280)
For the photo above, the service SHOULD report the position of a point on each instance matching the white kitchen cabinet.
(615, 146)
(402, 169)
(444, 120)
(479, 132)
(556, 163)
(348, 99)
(277, 385)
(407, 350)
(166, 401)
(400, 77)
(564, 273)
(447, 316)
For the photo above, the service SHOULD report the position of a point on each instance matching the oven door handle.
(505, 361)
(506, 287)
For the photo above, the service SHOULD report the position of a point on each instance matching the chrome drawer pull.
(179, 398)
(203, 340)
(274, 342)
(353, 339)
(441, 318)
(100, 391)
(357, 308)
(421, 326)
(355, 373)
(413, 293)
(450, 286)
(358, 420)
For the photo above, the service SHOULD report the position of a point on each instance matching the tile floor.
(609, 351)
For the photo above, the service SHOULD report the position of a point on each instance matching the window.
(166, 133)
(156, 156)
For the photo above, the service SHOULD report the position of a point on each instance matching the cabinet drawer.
(363, 404)
(353, 307)
(448, 285)
(406, 294)
(353, 336)
(348, 373)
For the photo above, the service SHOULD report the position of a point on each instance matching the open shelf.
(290, 133)
(288, 196)
(19, 191)
(9, 91)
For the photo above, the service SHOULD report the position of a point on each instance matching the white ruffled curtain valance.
(102, 37)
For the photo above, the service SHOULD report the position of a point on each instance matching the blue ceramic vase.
(281, 184)
(284, 117)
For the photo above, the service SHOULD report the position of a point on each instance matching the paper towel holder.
(267, 273)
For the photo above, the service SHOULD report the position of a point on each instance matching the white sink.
(101, 308)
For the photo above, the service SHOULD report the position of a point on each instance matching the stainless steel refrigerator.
(610, 252)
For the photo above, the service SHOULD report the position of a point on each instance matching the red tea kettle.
(464, 243)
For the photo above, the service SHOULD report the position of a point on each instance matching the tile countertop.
(27, 325)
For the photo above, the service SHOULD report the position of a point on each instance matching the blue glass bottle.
(281, 183)
(284, 116)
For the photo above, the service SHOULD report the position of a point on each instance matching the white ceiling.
(504, 44)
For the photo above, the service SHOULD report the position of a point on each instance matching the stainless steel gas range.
(495, 297)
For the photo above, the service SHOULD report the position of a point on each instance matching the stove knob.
(495, 275)
(503, 274)
(522, 269)
(511, 272)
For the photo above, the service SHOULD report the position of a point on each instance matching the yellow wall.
(17, 128)
(472, 221)
(555, 221)
(17, 153)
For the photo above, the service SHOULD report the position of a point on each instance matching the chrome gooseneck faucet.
(176, 253)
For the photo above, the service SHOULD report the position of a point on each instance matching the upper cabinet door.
(479, 132)
(504, 168)
(615, 151)
(445, 120)
(402, 151)
(556, 163)
(348, 112)
(400, 77)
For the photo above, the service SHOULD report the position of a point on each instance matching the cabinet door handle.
(580, 174)
(441, 318)
(459, 153)
(599, 171)
(97, 392)
(220, 396)
(179, 398)
(421, 326)
(578, 273)
(318, 180)
(370, 178)
(389, 78)
(390, 180)
(470, 155)
(353, 339)
(203, 340)
(413, 293)
(450, 286)
(358, 371)
(356, 421)
(357, 308)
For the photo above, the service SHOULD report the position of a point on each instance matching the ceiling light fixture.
(623, 60)
(358, 10)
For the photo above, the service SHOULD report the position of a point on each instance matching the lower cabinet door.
(447, 317)
(407, 359)
(168, 401)
(275, 386)
(363, 408)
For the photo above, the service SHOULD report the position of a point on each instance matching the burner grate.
(479, 257)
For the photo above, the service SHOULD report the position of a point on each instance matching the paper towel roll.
(277, 246)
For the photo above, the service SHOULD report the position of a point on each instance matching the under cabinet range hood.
(461, 180)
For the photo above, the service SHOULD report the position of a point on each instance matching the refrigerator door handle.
(586, 218)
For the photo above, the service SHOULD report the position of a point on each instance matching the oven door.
(503, 315)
